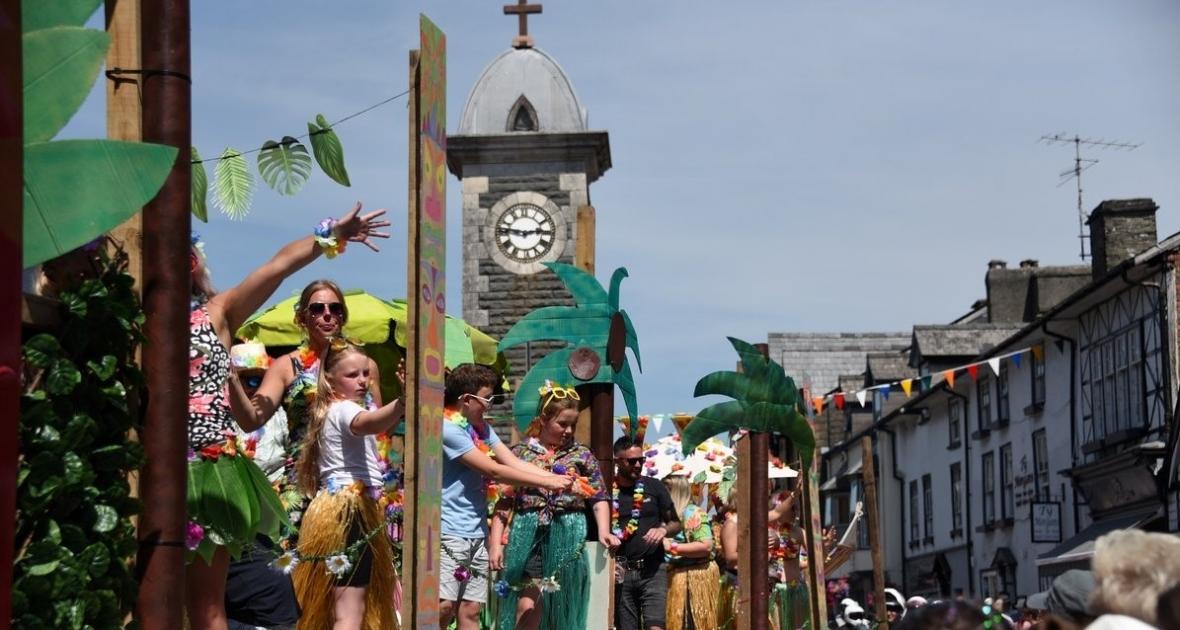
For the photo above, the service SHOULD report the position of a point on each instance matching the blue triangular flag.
(1016, 360)
(885, 392)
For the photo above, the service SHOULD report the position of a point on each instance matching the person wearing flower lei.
(216, 399)
(692, 575)
(548, 530)
(290, 383)
(339, 464)
(641, 579)
(472, 455)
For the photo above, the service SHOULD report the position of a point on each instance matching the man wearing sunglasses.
(641, 581)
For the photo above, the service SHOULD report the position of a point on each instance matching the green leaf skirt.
(229, 503)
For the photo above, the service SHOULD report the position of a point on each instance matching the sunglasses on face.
(893, 607)
(495, 399)
(317, 309)
(856, 616)
(252, 381)
(631, 461)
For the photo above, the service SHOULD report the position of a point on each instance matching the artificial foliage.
(74, 537)
(587, 324)
(74, 190)
(765, 399)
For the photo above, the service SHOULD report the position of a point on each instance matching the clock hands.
(517, 232)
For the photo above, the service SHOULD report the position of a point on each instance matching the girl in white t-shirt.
(344, 576)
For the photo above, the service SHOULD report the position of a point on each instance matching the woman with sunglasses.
(216, 399)
(545, 581)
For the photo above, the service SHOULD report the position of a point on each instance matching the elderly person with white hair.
(1132, 569)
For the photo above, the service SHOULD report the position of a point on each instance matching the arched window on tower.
(523, 117)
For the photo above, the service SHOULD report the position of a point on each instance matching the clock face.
(525, 232)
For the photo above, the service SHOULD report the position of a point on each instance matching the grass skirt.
(727, 602)
(790, 606)
(231, 500)
(324, 531)
(565, 609)
(695, 590)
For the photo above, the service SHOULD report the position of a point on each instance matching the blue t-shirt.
(464, 495)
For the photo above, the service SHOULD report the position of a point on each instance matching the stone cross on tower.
(522, 9)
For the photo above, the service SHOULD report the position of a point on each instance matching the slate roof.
(819, 359)
(882, 367)
(959, 340)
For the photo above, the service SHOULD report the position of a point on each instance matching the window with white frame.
(954, 415)
(1116, 381)
(927, 508)
(983, 398)
(1041, 464)
(1007, 500)
(1037, 370)
(956, 499)
(913, 511)
(989, 487)
(1002, 414)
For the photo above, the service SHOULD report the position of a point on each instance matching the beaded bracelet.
(325, 237)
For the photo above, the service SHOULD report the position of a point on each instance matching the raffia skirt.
(790, 606)
(324, 532)
(693, 592)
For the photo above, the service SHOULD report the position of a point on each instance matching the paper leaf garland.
(59, 66)
(284, 166)
(200, 187)
(329, 153)
(233, 186)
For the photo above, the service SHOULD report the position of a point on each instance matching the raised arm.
(488, 467)
(383, 419)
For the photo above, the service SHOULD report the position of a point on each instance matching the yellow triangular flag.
(1038, 353)
(906, 385)
(949, 375)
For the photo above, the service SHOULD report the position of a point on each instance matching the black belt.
(637, 564)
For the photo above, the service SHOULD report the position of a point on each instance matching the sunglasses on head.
(317, 309)
(339, 343)
(494, 399)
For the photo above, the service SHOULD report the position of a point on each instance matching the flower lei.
(547, 584)
(636, 505)
(491, 488)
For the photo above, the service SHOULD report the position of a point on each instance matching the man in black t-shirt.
(641, 583)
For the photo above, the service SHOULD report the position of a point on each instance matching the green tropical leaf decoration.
(39, 14)
(284, 166)
(586, 324)
(329, 153)
(765, 399)
(234, 185)
(200, 188)
(76, 190)
(59, 66)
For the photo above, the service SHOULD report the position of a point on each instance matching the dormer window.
(523, 117)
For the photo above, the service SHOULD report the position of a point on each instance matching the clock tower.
(526, 158)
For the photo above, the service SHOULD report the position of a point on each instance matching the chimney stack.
(1029, 263)
(996, 263)
(1120, 229)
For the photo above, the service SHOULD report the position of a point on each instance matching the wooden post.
(813, 524)
(869, 475)
(426, 301)
(124, 112)
(11, 236)
(584, 260)
(585, 247)
(167, 118)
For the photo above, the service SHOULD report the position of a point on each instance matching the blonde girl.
(344, 575)
(693, 577)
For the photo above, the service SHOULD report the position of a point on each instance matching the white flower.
(286, 562)
(338, 565)
(295, 516)
(549, 585)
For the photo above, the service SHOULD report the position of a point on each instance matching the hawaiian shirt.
(576, 459)
(696, 529)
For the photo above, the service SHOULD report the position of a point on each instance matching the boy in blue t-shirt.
(473, 456)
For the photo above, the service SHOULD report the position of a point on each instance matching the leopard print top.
(209, 416)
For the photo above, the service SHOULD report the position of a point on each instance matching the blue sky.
(778, 166)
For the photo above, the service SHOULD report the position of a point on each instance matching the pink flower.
(462, 573)
(194, 366)
(193, 535)
(199, 404)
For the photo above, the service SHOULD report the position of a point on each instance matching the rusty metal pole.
(167, 111)
(759, 496)
(11, 168)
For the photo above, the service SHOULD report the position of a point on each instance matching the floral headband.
(551, 391)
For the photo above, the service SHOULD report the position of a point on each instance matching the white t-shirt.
(344, 456)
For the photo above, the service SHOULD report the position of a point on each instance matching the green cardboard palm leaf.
(59, 66)
(39, 14)
(78, 189)
(200, 187)
(586, 324)
(329, 153)
(765, 399)
(234, 185)
(284, 166)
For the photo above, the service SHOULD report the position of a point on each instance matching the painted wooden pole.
(167, 117)
(426, 257)
(813, 523)
(869, 475)
(11, 197)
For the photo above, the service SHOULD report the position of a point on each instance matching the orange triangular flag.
(818, 403)
(907, 385)
(973, 370)
(949, 375)
(1039, 353)
(681, 420)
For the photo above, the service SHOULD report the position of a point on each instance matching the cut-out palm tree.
(596, 334)
(765, 399)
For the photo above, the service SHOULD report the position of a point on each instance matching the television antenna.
(1081, 164)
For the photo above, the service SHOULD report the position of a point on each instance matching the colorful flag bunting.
(949, 376)
(925, 383)
(994, 362)
(884, 392)
(973, 370)
(681, 420)
(818, 402)
(1016, 359)
(642, 430)
(860, 397)
(1038, 352)
(907, 385)
(839, 400)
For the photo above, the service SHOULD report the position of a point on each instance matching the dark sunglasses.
(631, 460)
(254, 380)
(855, 616)
(894, 607)
(317, 308)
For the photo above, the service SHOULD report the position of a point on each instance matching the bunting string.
(925, 382)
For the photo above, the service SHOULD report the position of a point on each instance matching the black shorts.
(361, 572)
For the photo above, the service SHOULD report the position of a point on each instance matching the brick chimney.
(1120, 229)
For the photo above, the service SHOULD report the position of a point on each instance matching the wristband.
(674, 548)
(325, 237)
